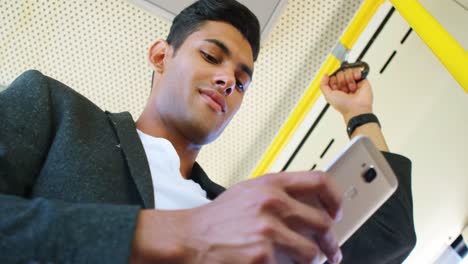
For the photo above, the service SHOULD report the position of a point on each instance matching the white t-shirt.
(171, 190)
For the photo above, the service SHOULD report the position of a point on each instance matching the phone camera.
(370, 175)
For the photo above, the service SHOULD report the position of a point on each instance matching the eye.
(209, 58)
(240, 86)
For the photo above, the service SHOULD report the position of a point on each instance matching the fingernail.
(351, 86)
(339, 215)
(338, 257)
(334, 87)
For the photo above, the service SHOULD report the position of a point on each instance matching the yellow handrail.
(297, 116)
(442, 44)
(349, 38)
(360, 22)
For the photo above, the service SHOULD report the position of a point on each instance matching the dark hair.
(229, 11)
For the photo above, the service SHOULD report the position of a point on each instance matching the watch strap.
(360, 120)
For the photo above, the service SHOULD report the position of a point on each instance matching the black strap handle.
(359, 64)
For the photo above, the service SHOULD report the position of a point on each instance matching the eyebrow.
(227, 51)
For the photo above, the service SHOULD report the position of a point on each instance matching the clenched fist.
(346, 95)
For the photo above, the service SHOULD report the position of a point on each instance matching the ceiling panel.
(99, 48)
(267, 12)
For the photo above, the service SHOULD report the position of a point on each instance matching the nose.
(225, 83)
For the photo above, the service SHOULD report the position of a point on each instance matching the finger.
(293, 244)
(329, 246)
(313, 184)
(334, 83)
(301, 217)
(357, 73)
(349, 77)
(304, 219)
(342, 84)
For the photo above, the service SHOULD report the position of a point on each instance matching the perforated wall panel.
(99, 48)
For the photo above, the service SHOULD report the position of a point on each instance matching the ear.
(158, 54)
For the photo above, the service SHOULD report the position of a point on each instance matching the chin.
(195, 136)
(205, 138)
(203, 132)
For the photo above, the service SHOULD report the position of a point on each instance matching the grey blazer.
(73, 178)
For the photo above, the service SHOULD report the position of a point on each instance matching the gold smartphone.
(366, 180)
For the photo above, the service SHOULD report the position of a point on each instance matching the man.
(81, 185)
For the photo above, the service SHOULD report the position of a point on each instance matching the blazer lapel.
(134, 154)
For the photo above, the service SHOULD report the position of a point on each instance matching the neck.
(152, 124)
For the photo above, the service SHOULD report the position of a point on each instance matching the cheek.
(180, 82)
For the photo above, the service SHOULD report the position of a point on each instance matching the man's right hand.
(246, 224)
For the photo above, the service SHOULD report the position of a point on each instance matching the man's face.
(201, 88)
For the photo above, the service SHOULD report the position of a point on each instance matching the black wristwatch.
(360, 120)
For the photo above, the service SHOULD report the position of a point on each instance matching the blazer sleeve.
(389, 235)
(41, 230)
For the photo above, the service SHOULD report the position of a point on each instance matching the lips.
(214, 99)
